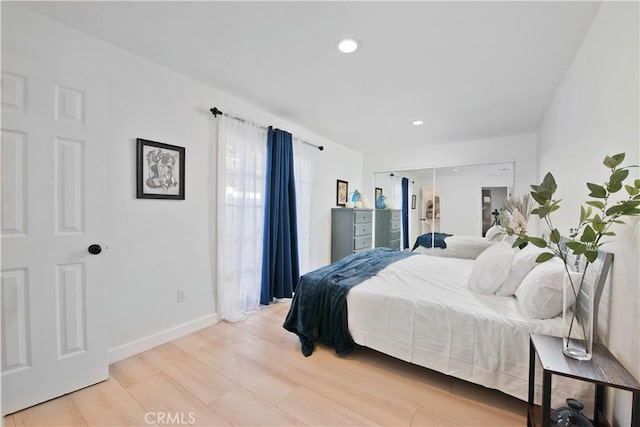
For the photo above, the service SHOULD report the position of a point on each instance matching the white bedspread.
(420, 310)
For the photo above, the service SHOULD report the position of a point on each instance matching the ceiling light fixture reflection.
(417, 122)
(348, 45)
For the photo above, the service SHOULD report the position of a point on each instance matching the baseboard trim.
(138, 346)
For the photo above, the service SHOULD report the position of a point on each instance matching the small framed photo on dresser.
(342, 192)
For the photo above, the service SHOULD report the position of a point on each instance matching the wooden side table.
(602, 370)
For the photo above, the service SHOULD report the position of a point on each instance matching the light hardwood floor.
(252, 373)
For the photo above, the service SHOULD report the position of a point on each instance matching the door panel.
(15, 320)
(54, 331)
(14, 170)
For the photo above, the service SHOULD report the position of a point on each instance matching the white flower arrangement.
(514, 216)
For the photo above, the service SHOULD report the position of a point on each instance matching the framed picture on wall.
(378, 193)
(413, 201)
(159, 170)
(342, 191)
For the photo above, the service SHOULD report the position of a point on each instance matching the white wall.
(460, 198)
(498, 196)
(595, 113)
(158, 246)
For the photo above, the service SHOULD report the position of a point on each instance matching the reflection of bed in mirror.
(454, 246)
(466, 247)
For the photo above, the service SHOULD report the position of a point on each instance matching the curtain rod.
(215, 111)
(413, 182)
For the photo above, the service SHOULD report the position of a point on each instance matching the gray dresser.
(388, 228)
(351, 231)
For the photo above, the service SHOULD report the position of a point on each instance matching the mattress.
(420, 310)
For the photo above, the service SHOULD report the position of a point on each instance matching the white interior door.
(54, 331)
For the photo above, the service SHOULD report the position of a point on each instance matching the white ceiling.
(470, 70)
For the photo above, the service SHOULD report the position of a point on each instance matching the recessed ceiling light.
(417, 122)
(348, 45)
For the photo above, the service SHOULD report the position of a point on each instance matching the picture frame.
(413, 201)
(159, 170)
(342, 192)
(378, 194)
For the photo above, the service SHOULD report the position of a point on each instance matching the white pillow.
(508, 239)
(421, 250)
(523, 263)
(468, 247)
(540, 294)
(494, 234)
(491, 268)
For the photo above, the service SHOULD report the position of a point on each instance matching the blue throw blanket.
(438, 240)
(319, 306)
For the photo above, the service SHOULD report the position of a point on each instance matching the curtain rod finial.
(321, 147)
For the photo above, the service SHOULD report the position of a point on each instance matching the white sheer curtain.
(396, 192)
(303, 160)
(240, 216)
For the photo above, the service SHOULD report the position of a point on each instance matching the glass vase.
(577, 316)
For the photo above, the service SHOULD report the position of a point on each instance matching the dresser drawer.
(362, 216)
(361, 242)
(395, 216)
(363, 229)
(395, 244)
(394, 235)
(395, 225)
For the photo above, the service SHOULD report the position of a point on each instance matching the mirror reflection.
(462, 201)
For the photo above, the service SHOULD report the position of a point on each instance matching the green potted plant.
(597, 217)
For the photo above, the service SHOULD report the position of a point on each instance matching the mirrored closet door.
(458, 200)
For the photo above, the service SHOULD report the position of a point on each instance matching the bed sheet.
(420, 310)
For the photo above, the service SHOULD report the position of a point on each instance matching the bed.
(457, 246)
(420, 309)
(466, 247)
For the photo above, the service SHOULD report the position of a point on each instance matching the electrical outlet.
(181, 295)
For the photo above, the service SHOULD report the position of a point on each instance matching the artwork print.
(160, 170)
(342, 191)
